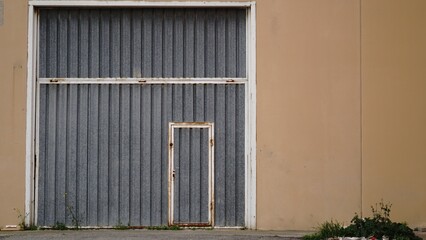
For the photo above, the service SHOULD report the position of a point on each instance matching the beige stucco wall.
(308, 86)
(394, 107)
(312, 59)
(13, 59)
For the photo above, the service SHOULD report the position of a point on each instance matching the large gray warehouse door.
(103, 145)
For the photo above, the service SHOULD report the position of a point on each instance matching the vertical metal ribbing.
(72, 121)
(108, 118)
(104, 145)
(41, 188)
(146, 155)
(135, 156)
(241, 50)
(61, 191)
(92, 154)
(103, 157)
(49, 204)
(168, 42)
(240, 155)
(81, 208)
(71, 167)
(189, 161)
(114, 155)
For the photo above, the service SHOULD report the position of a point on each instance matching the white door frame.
(210, 127)
(250, 101)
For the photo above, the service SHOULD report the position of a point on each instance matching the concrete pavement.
(222, 234)
(152, 234)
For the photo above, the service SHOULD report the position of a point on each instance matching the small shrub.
(378, 226)
(331, 229)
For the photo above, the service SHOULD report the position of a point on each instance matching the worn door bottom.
(178, 129)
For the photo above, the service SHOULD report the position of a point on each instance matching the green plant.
(378, 226)
(328, 229)
(22, 219)
(75, 220)
(59, 226)
(120, 226)
(31, 227)
(164, 227)
(74, 217)
(200, 228)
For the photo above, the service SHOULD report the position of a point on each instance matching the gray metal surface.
(191, 183)
(1, 12)
(103, 151)
(142, 43)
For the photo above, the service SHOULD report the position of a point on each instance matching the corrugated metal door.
(191, 174)
(103, 146)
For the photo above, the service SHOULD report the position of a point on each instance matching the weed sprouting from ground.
(378, 226)
(164, 227)
(22, 218)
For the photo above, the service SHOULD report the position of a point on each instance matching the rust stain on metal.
(193, 123)
(210, 206)
(192, 224)
(170, 179)
(55, 80)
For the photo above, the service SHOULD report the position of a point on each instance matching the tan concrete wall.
(13, 58)
(394, 107)
(308, 101)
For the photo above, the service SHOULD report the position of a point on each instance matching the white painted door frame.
(250, 102)
(189, 125)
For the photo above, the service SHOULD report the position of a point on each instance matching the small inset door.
(191, 169)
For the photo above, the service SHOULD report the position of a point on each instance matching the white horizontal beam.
(142, 80)
(135, 4)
